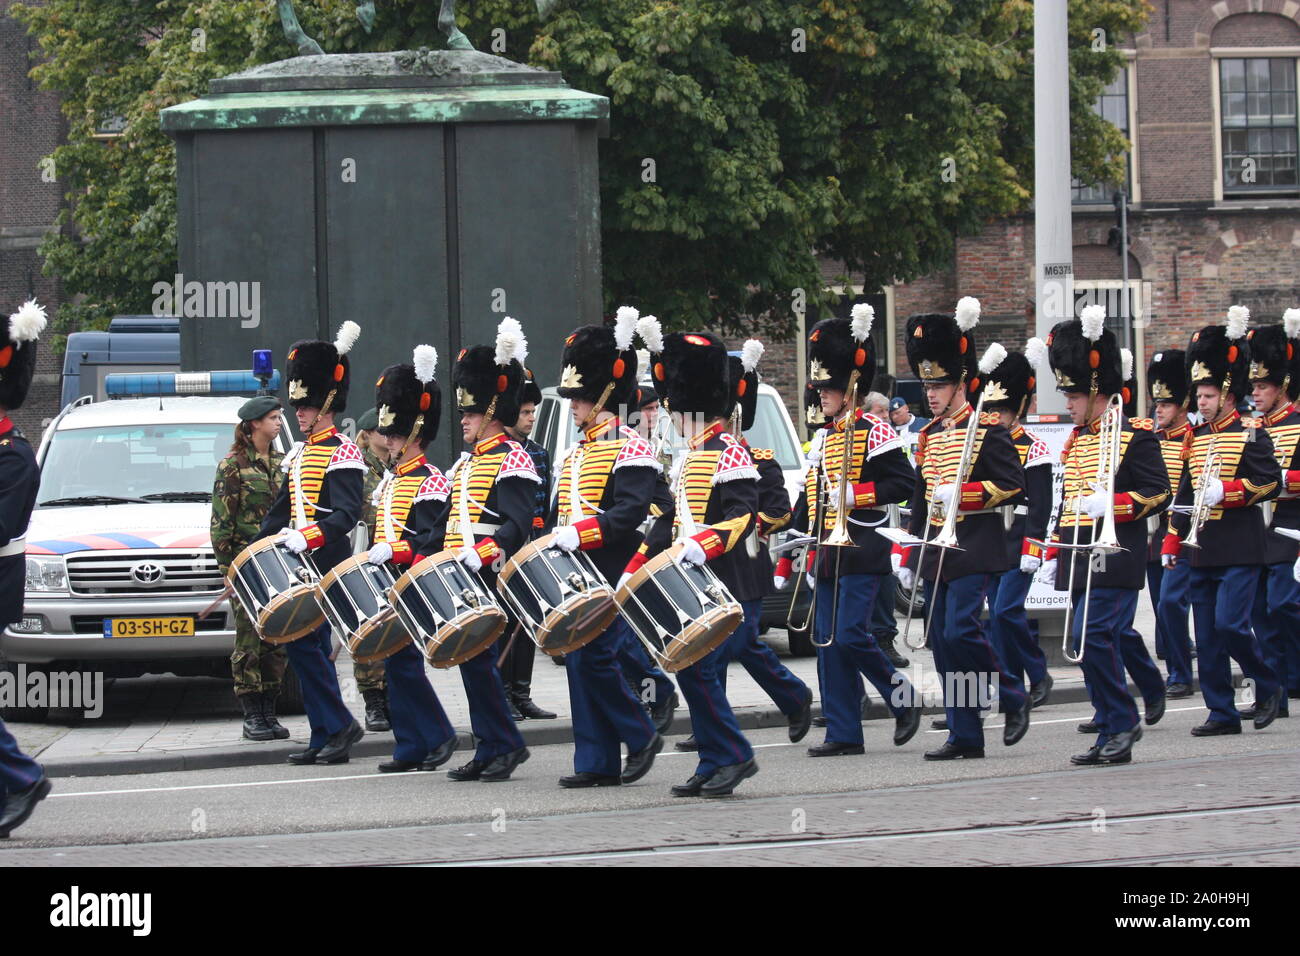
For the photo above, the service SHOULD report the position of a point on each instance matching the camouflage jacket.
(241, 498)
(374, 472)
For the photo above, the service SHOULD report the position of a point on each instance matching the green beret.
(368, 421)
(255, 408)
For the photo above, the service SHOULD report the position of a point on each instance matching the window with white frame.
(1257, 110)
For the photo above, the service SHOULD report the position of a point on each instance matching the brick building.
(30, 128)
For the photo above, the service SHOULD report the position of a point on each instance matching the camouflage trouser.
(258, 667)
(369, 676)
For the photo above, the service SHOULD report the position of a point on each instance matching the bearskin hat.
(1219, 355)
(315, 369)
(1129, 393)
(838, 346)
(1084, 354)
(813, 416)
(1167, 377)
(941, 347)
(489, 379)
(407, 397)
(743, 377)
(18, 353)
(1005, 379)
(531, 394)
(692, 374)
(1274, 356)
(599, 363)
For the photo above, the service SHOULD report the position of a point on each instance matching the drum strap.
(16, 546)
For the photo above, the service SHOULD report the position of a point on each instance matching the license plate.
(148, 627)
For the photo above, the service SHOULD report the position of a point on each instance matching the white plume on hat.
(27, 323)
(1036, 352)
(968, 312)
(750, 354)
(511, 344)
(651, 332)
(862, 316)
(349, 332)
(425, 358)
(1093, 321)
(1125, 364)
(994, 356)
(1238, 319)
(625, 327)
(1291, 321)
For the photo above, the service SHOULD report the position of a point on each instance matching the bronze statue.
(456, 40)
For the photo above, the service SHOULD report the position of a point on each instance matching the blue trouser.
(326, 712)
(1222, 599)
(605, 711)
(788, 692)
(1277, 622)
(712, 722)
(1110, 615)
(1140, 666)
(420, 725)
(1009, 632)
(17, 770)
(489, 714)
(647, 680)
(852, 655)
(883, 625)
(1172, 601)
(966, 661)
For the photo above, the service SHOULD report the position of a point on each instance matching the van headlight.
(46, 574)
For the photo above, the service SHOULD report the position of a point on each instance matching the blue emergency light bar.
(135, 384)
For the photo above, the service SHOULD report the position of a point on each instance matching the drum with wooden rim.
(277, 588)
(354, 596)
(447, 610)
(559, 597)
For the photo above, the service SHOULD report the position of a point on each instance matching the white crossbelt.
(14, 547)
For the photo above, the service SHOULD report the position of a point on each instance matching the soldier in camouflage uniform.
(370, 677)
(247, 481)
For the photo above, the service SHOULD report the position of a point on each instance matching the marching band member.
(871, 473)
(1008, 389)
(408, 502)
(316, 509)
(1275, 377)
(1085, 357)
(23, 782)
(603, 494)
(941, 352)
(488, 517)
(1226, 566)
(1167, 381)
(370, 676)
(715, 495)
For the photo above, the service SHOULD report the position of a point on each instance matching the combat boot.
(255, 727)
(278, 730)
(377, 720)
(521, 697)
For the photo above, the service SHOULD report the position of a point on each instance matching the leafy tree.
(748, 139)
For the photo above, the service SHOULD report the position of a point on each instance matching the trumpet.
(1200, 512)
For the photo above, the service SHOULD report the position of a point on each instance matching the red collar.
(406, 467)
(1226, 421)
(487, 444)
(6, 425)
(598, 429)
(711, 432)
(842, 423)
(1017, 432)
(1173, 434)
(1277, 416)
(319, 437)
(952, 421)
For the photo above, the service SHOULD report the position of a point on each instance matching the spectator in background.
(906, 424)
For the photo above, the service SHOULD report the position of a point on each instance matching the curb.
(536, 733)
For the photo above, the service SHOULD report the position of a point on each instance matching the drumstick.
(509, 644)
(213, 606)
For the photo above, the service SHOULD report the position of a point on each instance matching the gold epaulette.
(1253, 422)
(919, 454)
(990, 418)
(1186, 453)
(1145, 424)
(762, 454)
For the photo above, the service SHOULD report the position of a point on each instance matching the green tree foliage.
(747, 138)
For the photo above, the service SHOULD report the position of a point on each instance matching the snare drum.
(447, 610)
(354, 596)
(278, 590)
(681, 612)
(559, 596)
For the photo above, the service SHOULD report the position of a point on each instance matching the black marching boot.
(255, 727)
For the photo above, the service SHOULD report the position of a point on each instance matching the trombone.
(1200, 512)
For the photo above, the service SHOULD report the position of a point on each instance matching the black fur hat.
(691, 374)
(744, 381)
(314, 369)
(1219, 355)
(837, 346)
(1167, 377)
(1274, 356)
(1006, 379)
(1084, 354)
(490, 379)
(531, 394)
(813, 416)
(18, 354)
(598, 357)
(941, 347)
(407, 396)
(1129, 394)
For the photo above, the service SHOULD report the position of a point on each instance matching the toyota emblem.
(146, 572)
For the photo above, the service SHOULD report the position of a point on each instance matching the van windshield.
(770, 431)
(132, 462)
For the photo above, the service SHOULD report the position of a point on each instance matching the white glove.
(1213, 493)
(623, 579)
(1169, 560)
(1029, 563)
(567, 538)
(1296, 570)
(895, 561)
(944, 494)
(1047, 573)
(812, 581)
(1094, 506)
(692, 553)
(381, 553)
(293, 540)
(778, 582)
(906, 577)
(469, 557)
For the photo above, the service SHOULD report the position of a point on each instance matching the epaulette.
(1065, 450)
(921, 439)
(1146, 424)
(990, 418)
(762, 454)
(1186, 453)
(1252, 422)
